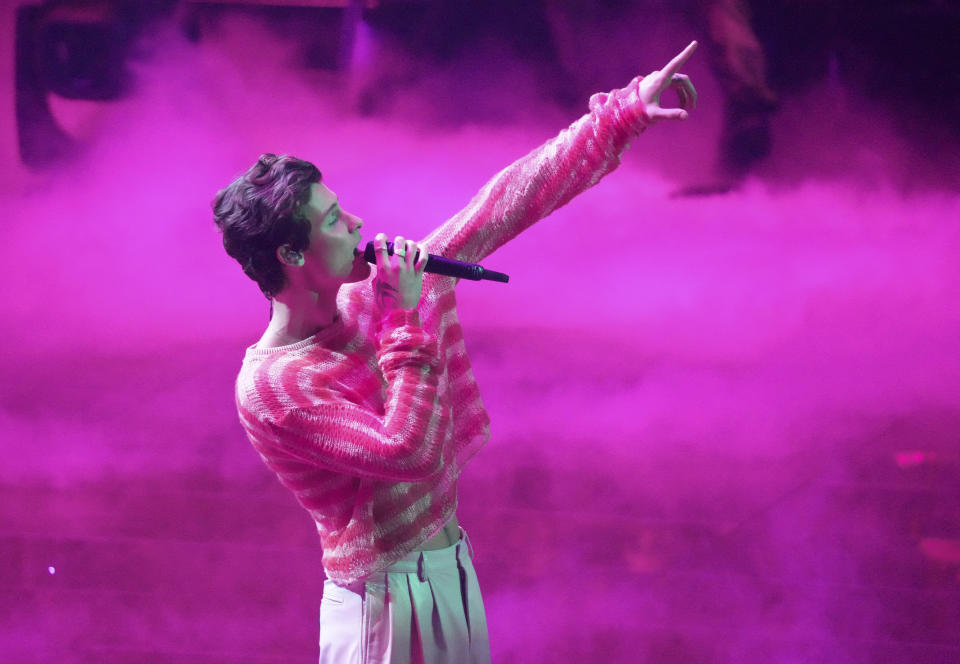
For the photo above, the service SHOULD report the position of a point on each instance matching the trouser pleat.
(424, 609)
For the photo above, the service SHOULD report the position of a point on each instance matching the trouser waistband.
(422, 562)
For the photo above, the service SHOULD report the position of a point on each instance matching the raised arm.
(550, 176)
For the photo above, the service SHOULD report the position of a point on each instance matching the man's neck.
(298, 315)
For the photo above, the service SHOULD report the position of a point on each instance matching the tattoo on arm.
(388, 297)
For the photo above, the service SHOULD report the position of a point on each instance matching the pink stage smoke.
(656, 367)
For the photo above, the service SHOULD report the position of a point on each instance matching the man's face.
(334, 235)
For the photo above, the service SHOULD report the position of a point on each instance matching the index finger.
(678, 61)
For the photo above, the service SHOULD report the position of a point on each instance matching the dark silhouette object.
(76, 50)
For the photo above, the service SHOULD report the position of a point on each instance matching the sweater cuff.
(395, 318)
(629, 113)
(403, 342)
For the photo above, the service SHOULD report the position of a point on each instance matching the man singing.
(360, 395)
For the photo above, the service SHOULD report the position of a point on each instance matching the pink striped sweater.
(370, 421)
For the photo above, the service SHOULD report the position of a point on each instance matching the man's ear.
(289, 256)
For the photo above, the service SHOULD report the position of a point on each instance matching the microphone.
(445, 266)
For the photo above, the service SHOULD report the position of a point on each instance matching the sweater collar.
(323, 335)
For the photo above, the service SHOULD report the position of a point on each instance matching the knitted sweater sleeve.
(547, 178)
(332, 428)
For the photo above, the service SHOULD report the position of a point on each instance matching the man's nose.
(356, 223)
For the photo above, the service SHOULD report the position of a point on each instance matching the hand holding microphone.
(399, 282)
(439, 264)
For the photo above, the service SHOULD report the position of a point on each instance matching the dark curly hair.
(260, 211)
